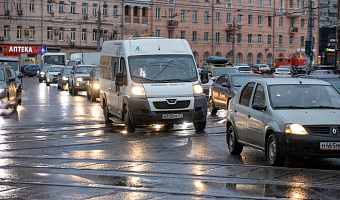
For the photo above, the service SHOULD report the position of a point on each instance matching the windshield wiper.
(167, 66)
(322, 107)
(291, 107)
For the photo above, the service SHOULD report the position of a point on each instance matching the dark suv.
(79, 77)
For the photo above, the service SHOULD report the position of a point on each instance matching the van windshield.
(162, 68)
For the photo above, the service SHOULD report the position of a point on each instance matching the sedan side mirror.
(259, 107)
(71, 72)
(120, 79)
(204, 77)
(213, 79)
(225, 84)
(20, 76)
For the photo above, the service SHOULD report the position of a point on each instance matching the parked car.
(282, 117)
(282, 73)
(263, 68)
(22, 68)
(302, 69)
(225, 88)
(330, 78)
(244, 69)
(79, 77)
(31, 70)
(216, 71)
(8, 89)
(93, 88)
(272, 69)
(52, 74)
(42, 73)
(63, 77)
(291, 68)
(256, 70)
(18, 79)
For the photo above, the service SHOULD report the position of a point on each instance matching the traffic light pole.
(308, 45)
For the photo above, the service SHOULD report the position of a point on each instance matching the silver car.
(285, 118)
(282, 73)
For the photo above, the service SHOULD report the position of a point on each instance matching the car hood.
(311, 116)
(53, 73)
(83, 75)
(168, 89)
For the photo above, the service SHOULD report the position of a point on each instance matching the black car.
(63, 77)
(291, 68)
(93, 85)
(302, 69)
(8, 89)
(331, 78)
(225, 88)
(42, 73)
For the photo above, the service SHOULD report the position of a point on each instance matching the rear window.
(244, 69)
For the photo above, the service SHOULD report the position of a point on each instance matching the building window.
(281, 4)
(6, 32)
(313, 4)
(115, 36)
(84, 9)
(228, 18)
(218, 18)
(239, 58)
(313, 23)
(218, 37)
(158, 33)
(135, 11)
(32, 32)
(19, 32)
(269, 59)
(171, 34)
(228, 37)
(227, 56)
(195, 56)
(73, 34)
(206, 37)
(115, 11)
(105, 36)
(182, 15)
(291, 3)
(239, 1)
(61, 34)
(206, 17)
(260, 2)
(269, 39)
(94, 35)
(297, 3)
(73, 7)
(49, 6)
(194, 36)
(302, 23)
(260, 20)
(19, 5)
(194, 16)
(171, 13)
(250, 19)
(270, 3)
(250, 38)
(281, 22)
(302, 41)
(49, 33)
(239, 38)
(158, 13)
(291, 40)
(32, 4)
(95, 9)
(6, 4)
(259, 37)
(104, 10)
(291, 24)
(239, 19)
(303, 5)
(205, 56)
(250, 59)
(182, 34)
(259, 59)
(61, 6)
(83, 35)
(280, 40)
(250, 2)
(269, 21)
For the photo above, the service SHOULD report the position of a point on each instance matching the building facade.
(328, 13)
(260, 30)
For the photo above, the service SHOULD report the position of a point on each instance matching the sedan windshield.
(238, 81)
(304, 96)
(220, 71)
(244, 69)
(162, 68)
(84, 69)
(2, 77)
(67, 71)
(56, 69)
(45, 67)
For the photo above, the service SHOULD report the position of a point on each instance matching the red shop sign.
(21, 49)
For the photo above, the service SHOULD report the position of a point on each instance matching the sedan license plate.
(172, 116)
(329, 145)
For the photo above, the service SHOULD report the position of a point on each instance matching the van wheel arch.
(269, 131)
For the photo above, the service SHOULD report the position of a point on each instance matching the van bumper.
(141, 113)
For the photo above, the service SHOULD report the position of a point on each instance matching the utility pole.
(151, 18)
(122, 16)
(212, 29)
(98, 30)
(42, 29)
(308, 45)
(233, 51)
(274, 35)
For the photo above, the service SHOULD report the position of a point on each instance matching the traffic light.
(308, 49)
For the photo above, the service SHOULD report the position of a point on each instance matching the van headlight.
(198, 89)
(42, 73)
(79, 79)
(295, 129)
(65, 78)
(96, 86)
(137, 90)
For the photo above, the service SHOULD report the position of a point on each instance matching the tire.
(19, 101)
(107, 115)
(228, 103)
(47, 83)
(200, 126)
(74, 92)
(93, 98)
(167, 127)
(40, 81)
(129, 126)
(273, 152)
(234, 147)
(212, 108)
(30, 75)
(59, 88)
(88, 96)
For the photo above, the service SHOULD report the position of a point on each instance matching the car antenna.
(159, 48)
(300, 80)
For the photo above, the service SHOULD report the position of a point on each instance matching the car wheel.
(167, 127)
(212, 108)
(74, 91)
(40, 81)
(59, 88)
(69, 90)
(228, 103)
(273, 152)
(233, 146)
(19, 101)
(93, 98)
(107, 115)
(129, 126)
(47, 83)
(200, 126)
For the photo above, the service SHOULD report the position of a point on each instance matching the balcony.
(172, 24)
(293, 29)
(127, 19)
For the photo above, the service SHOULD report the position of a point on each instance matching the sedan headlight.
(96, 86)
(295, 129)
(137, 90)
(65, 78)
(42, 73)
(198, 89)
(79, 79)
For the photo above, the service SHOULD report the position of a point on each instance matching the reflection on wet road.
(57, 147)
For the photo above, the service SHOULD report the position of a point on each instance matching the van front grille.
(177, 105)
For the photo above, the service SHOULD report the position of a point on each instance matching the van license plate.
(172, 116)
(329, 145)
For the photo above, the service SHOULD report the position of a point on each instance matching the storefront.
(26, 54)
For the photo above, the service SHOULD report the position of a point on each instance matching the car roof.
(322, 76)
(294, 81)
(57, 66)
(244, 74)
(86, 65)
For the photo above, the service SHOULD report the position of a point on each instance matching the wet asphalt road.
(57, 147)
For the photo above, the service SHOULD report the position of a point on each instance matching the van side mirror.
(120, 79)
(20, 75)
(213, 79)
(11, 79)
(71, 72)
(259, 107)
(204, 77)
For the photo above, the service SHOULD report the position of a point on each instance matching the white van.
(145, 81)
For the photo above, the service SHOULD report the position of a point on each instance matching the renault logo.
(334, 130)
(171, 101)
